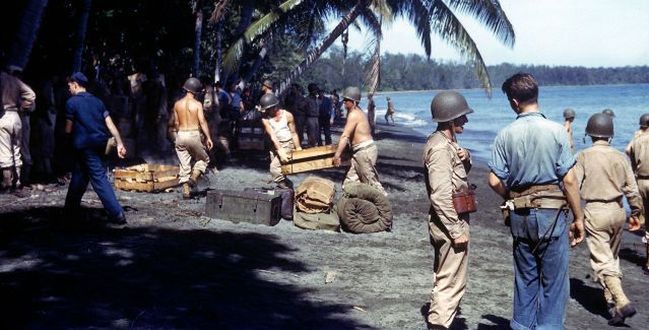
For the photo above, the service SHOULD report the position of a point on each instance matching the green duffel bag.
(316, 221)
(364, 209)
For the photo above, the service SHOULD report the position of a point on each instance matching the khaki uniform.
(640, 161)
(605, 176)
(445, 174)
(363, 166)
(285, 137)
(189, 146)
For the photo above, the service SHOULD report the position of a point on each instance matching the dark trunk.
(219, 52)
(27, 32)
(197, 42)
(82, 28)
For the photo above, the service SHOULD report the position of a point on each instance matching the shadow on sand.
(65, 274)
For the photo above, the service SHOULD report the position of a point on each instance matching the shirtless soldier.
(638, 150)
(280, 127)
(604, 176)
(357, 131)
(189, 122)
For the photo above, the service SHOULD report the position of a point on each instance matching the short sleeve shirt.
(88, 115)
(531, 151)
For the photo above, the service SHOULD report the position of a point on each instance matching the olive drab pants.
(643, 187)
(189, 146)
(363, 167)
(276, 164)
(450, 273)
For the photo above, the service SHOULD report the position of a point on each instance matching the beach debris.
(330, 276)
(359, 308)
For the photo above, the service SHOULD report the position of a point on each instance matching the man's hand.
(577, 232)
(121, 151)
(461, 242)
(298, 148)
(210, 144)
(336, 161)
(463, 154)
(283, 156)
(634, 223)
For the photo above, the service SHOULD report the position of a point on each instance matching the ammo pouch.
(540, 196)
(464, 201)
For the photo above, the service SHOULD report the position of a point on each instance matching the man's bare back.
(357, 127)
(189, 116)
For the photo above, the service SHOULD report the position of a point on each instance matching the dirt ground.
(171, 267)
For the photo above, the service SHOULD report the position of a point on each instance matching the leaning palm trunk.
(82, 28)
(315, 54)
(26, 35)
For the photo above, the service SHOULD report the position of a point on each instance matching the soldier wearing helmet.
(357, 131)
(605, 176)
(532, 168)
(446, 165)
(638, 151)
(280, 127)
(569, 117)
(189, 122)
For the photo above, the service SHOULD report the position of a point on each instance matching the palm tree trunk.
(198, 29)
(257, 64)
(27, 32)
(218, 41)
(315, 54)
(82, 28)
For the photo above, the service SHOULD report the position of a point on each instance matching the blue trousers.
(541, 283)
(90, 166)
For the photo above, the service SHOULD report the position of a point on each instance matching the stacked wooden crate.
(146, 177)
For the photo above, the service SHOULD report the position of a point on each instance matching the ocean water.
(491, 114)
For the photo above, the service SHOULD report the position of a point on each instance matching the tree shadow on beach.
(80, 274)
(591, 298)
(498, 322)
(632, 256)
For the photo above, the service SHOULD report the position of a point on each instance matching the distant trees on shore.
(414, 72)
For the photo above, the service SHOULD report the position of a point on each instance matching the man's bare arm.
(497, 185)
(571, 190)
(348, 131)
(121, 150)
(291, 126)
(204, 127)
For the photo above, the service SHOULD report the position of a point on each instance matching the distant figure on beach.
(530, 162)
(609, 112)
(90, 126)
(389, 113)
(604, 176)
(446, 166)
(189, 122)
(569, 117)
(357, 131)
(371, 112)
(280, 127)
(638, 151)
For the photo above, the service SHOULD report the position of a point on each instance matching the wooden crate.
(146, 177)
(313, 159)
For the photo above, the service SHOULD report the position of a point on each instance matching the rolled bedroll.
(316, 221)
(364, 209)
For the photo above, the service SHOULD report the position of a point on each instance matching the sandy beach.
(174, 268)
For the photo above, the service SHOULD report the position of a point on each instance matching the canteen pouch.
(464, 201)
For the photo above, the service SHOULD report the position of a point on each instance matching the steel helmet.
(600, 125)
(268, 84)
(644, 120)
(448, 105)
(352, 93)
(268, 101)
(568, 113)
(193, 85)
(609, 112)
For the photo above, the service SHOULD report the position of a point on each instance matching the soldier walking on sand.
(280, 127)
(532, 167)
(569, 117)
(357, 131)
(189, 123)
(446, 165)
(604, 176)
(638, 151)
(389, 113)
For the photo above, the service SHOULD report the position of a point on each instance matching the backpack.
(315, 195)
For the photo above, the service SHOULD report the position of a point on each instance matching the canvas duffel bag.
(315, 195)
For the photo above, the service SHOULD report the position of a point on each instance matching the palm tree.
(27, 32)
(198, 29)
(82, 28)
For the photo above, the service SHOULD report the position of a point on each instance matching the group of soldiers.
(534, 169)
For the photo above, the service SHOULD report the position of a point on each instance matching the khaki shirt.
(445, 174)
(639, 154)
(15, 92)
(604, 175)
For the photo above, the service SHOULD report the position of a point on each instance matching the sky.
(591, 33)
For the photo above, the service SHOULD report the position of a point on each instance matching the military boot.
(6, 179)
(623, 306)
(187, 191)
(194, 178)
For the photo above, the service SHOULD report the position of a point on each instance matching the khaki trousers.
(276, 164)
(190, 147)
(643, 187)
(363, 168)
(10, 139)
(604, 224)
(449, 277)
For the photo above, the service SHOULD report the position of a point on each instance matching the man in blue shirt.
(532, 168)
(91, 126)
